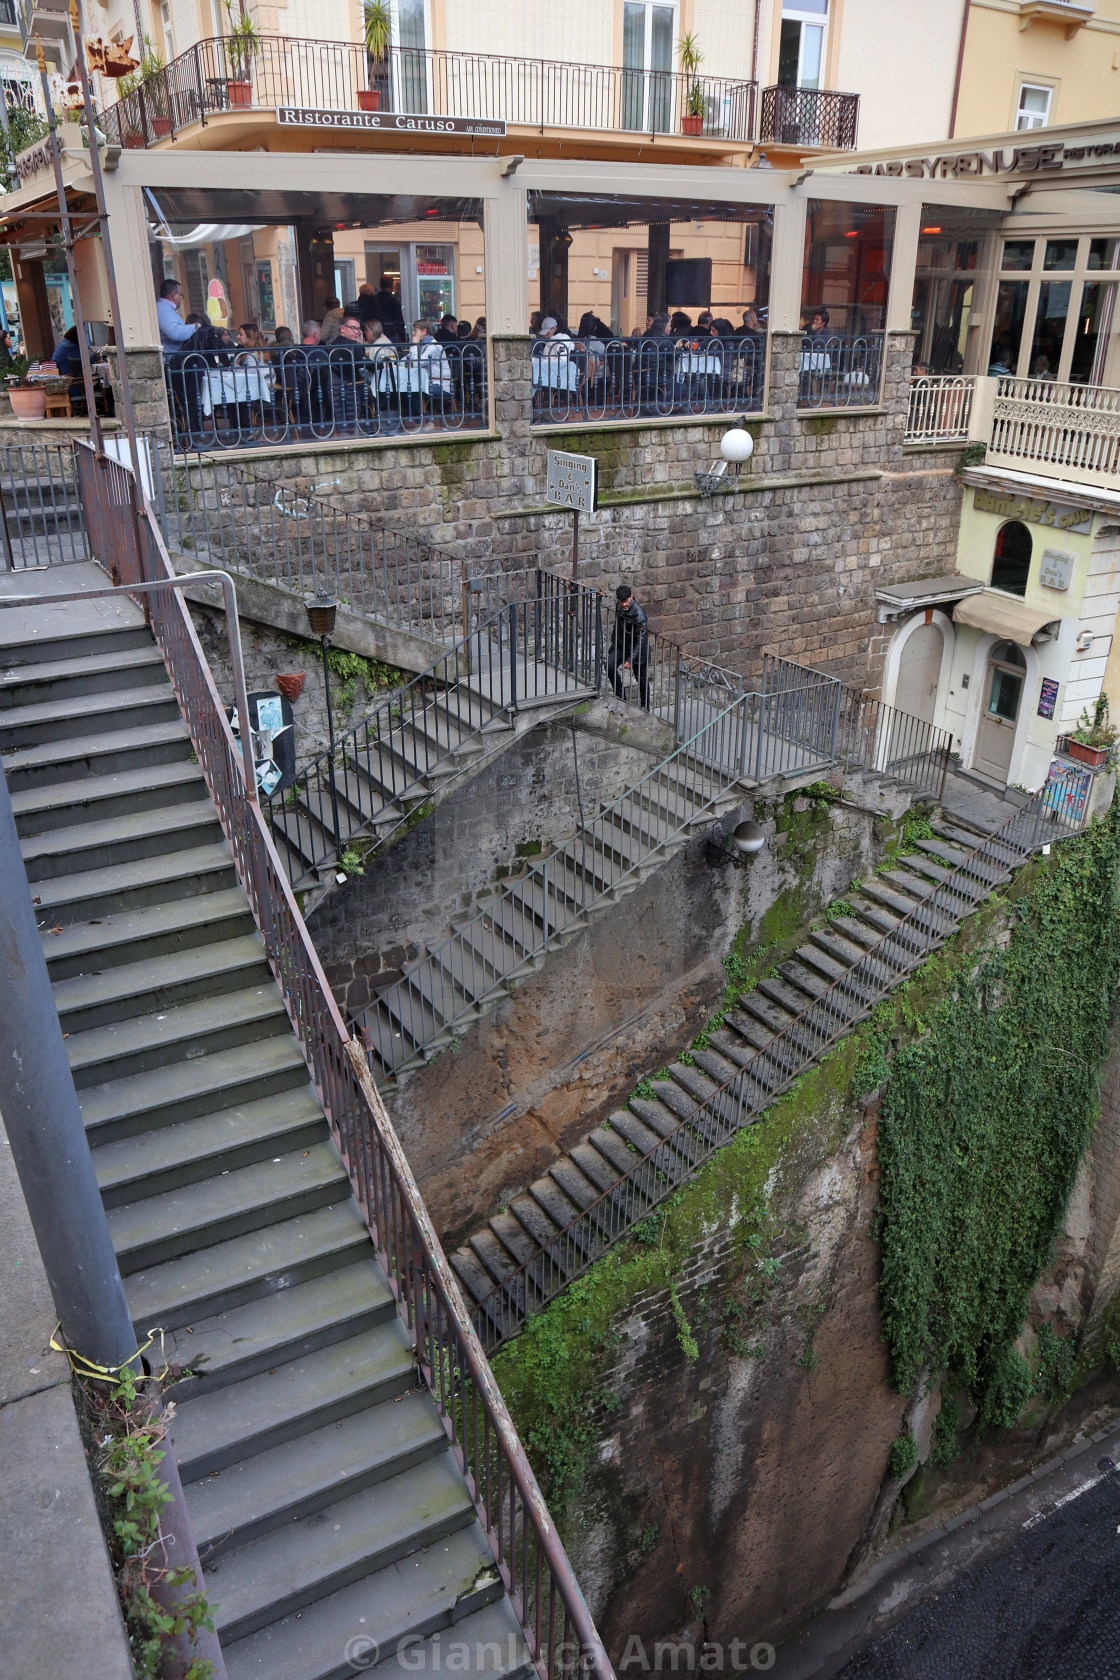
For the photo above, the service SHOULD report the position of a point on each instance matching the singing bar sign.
(386, 122)
(573, 481)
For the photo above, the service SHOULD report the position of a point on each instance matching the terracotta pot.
(27, 403)
(1094, 757)
(161, 127)
(240, 94)
(134, 141)
(291, 684)
(368, 99)
(692, 125)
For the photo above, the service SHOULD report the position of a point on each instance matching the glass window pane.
(661, 65)
(1018, 254)
(1004, 698)
(805, 5)
(1094, 324)
(414, 65)
(1060, 253)
(847, 264)
(1034, 107)
(812, 47)
(661, 49)
(789, 53)
(1049, 328)
(1103, 253)
(1011, 307)
(633, 59)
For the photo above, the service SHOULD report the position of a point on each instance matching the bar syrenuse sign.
(386, 122)
(1001, 160)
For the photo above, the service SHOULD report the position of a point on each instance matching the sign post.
(573, 482)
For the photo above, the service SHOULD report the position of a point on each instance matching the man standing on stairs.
(630, 647)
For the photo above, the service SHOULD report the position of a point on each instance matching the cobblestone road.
(1046, 1609)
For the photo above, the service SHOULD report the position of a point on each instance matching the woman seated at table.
(252, 355)
(426, 372)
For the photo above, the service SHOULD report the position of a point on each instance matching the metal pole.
(44, 1126)
(7, 534)
(575, 545)
(330, 733)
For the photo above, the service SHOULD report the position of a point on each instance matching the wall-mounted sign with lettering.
(386, 122)
(1048, 698)
(573, 481)
(1033, 509)
(1056, 569)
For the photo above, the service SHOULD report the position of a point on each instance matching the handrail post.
(677, 700)
(513, 656)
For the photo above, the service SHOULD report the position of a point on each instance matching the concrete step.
(289, 1568)
(256, 1496)
(127, 886)
(104, 754)
(217, 1279)
(161, 983)
(122, 1107)
(194, 1216)
(73, 644)
(93, 673)
(105, 842)
(229, 1425)
(289, 1324)
(193, 1030)
(410, 1599)
(170, 1156)
(79, 715)
(147, 933)
(490, 1644)
(47, 806)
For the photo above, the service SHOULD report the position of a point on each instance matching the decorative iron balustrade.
(940, 408)
(530, 1556)
(794, 116)
(646, 378)
(224, 399)
(840, 370)
(1074, 429)
(214, 78)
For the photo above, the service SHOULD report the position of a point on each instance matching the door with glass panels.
(1055, 314)
(801, 46)
(648, 35)
(1003, 695)
(411, 34)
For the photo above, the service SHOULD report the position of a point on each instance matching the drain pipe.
(960, 70)
(52, 1158)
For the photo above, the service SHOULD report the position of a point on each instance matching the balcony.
(805, 117)
(209, 80)
(1070, 432)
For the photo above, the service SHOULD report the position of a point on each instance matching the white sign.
(573, 481)
(386, 122)
(1056, 569)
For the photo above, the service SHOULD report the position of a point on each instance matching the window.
(1011, 562)
(168, 36)
(435, 281)
(412, 40)
(801, 48)
(847, 264)
(1034, 106)
(1011, 312)
(648, 33)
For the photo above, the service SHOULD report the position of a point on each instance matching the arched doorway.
(919, 670)
(1003, 698)
(1011, 560)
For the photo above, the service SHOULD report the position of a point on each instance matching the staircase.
(324, 1497)
(866, 944)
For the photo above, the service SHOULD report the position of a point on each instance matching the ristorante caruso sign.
(1002, 160)
(386, 122)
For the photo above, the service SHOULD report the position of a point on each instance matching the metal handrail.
(679, 1153)
(940, 407)
(527, 1549)
(793, 116)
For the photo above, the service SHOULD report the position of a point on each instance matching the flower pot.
(291, 684)
(161, 127)
(27, 403)
(1094, 757)
(692, 125)
(134, 141)
(240, 94)
(369, 99)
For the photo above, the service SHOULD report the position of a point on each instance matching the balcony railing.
(212, 78)
(646, 378)
(1061, 431)
(940, 408)
(840, 370)
(301, 394)
(809, 117)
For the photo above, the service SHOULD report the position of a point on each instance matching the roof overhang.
(897, 599)
(1002, 615)
(1092, 497)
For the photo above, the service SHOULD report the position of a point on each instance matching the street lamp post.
(321, 610)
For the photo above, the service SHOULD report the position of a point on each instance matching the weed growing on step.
(904, 1456)
(125, 1432)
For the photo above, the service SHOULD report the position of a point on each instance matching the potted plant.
(29, 402)
(378, 27)
(1093, 742)
(243, 43)
(129, 119)
(695, 104)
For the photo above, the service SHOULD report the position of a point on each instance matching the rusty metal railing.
(530, 1556)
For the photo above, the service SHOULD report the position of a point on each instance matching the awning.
(927, 592)
(1003, 615)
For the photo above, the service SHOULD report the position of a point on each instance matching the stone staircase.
(324, 1498)
(501, 1268)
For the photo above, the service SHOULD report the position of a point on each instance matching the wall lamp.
(736, 448)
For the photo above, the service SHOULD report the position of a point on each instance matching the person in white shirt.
(174, 333)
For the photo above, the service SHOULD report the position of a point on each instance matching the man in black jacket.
(630, 646)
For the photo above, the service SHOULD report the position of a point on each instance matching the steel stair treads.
(415, 1596)
(259, 1494)
(129, 886)
(139, 1043)
(192, 1216)
(52, 805)
(229, 1425)
(226, 1275)
(161, 982)
(122, 1107)
(92, 948)
(275, 1329)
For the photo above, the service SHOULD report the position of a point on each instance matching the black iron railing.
(794, 116)
(840, 370)
(529, 1554)
(624, 379)
(40, 514)
(290, 75)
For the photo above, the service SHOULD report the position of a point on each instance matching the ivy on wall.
(985, 1119)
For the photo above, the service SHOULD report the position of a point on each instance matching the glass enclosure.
(946, 276)
(847, 264)
(1055, 312)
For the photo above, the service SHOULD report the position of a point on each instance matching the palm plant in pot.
(1093, 742)
(29, 402)
(242, 44)
(153, 84)
(378, 29)
(695, 104)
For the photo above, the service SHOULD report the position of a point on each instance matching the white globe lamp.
(736, 446)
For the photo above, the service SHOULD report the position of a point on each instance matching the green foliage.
(352, 669)
(697, 1598)
(904, 1456)
(648, 1536)
(377, 28)
(685, 1337)
(984, 1124)
(25, 128)
(1054, 1377)
(838, 907)
(871, 1069)
(972, 456)
(352, 861)
(945, 1427)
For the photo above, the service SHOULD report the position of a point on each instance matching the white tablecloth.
(222, 386)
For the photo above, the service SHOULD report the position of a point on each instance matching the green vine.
(353, 668)
(984, 1123)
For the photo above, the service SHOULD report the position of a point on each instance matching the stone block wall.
(148, 389)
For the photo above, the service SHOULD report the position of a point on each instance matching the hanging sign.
(573, 481)
(386, 122)
(1056, 569)
(1048, 698)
